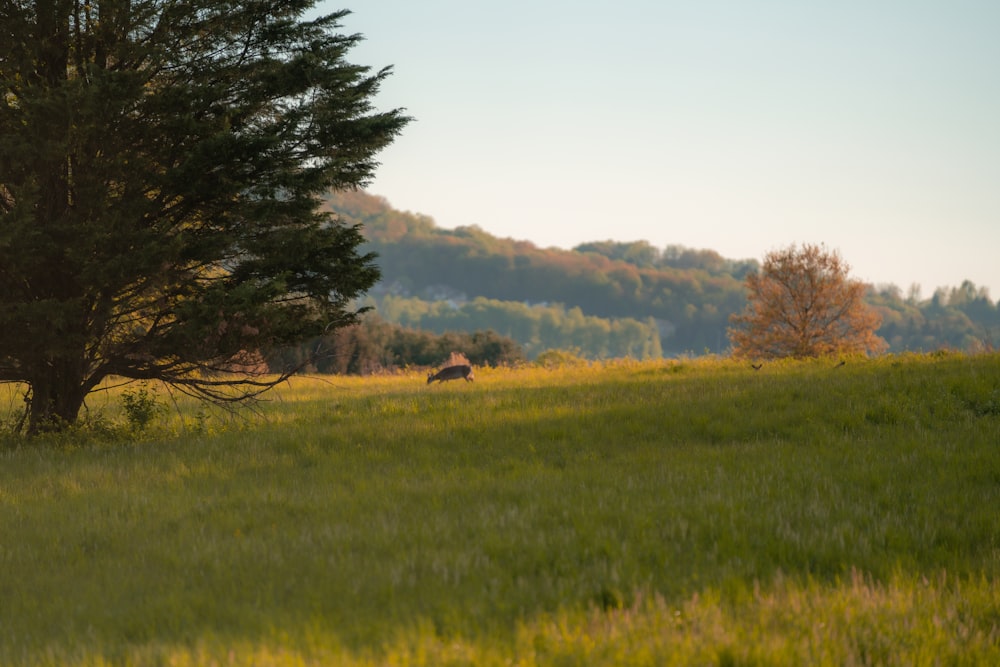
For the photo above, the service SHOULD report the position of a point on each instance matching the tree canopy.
(802, 304)
(161, 165)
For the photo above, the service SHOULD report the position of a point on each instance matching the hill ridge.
(689, 293)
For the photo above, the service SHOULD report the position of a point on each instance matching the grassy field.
(656, 513)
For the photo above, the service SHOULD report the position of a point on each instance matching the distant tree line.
(961, 318)
(374, 345)
(537, 327)
(646, 256)
(432, 275)
(690, 305)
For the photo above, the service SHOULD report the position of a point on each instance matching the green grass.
(692, 512)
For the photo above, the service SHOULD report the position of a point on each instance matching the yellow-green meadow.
(672, 512)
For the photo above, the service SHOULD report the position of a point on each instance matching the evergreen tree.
(161, 165)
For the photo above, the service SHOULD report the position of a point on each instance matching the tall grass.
(693, 512)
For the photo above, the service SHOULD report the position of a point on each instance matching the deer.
(452, 373)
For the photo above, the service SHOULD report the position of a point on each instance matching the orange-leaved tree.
(802, 304)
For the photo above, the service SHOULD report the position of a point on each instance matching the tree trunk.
(57, 395)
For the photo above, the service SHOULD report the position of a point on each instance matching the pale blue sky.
(872, 126)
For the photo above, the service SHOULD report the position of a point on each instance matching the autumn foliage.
(802, 304)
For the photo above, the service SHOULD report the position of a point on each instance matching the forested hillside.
(605, 299)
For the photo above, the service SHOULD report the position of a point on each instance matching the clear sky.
(742, 126)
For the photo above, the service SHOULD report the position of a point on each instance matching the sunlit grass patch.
(855, 620)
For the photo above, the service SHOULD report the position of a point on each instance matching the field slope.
(655, 513)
